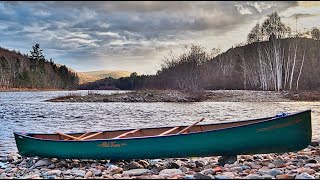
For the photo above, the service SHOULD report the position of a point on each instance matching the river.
(28, 112)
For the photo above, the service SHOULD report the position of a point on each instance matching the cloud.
(243, 10)
(129, 32)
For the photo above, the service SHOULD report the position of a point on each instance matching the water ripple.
(27, 112)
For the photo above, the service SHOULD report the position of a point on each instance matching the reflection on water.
(27, 112)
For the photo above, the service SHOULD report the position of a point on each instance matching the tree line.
(274, 58)
(33, 71)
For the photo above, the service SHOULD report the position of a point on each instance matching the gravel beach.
(304, 164)
(201, 96)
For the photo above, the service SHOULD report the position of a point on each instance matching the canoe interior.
(149, 131)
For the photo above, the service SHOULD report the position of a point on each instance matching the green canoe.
(281, 133)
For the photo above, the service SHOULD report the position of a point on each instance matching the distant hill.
(108, 73)
(91, 76)
(278, 64)
(85, 78)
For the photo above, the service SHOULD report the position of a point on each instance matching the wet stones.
(227, 160)
(78, 172)
(137, 172)
(274, 172)
(135, 165)
(304, 176)
(112, 169)
(42, 162)
(53, 172)
(201, 176)
(314, 143)
(291, 165)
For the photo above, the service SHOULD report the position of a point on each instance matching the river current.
(28, 112)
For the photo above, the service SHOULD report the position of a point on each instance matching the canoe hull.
(284, 134)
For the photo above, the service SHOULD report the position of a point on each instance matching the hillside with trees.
(33, 71)
(272, 59)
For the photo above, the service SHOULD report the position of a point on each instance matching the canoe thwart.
(68, 136)
(93, 135)
(187, 128)
(169, 131)
(83, 135)
(127, 133)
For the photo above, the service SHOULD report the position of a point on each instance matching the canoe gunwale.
(267, 119)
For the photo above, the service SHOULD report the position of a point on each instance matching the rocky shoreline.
(304, 164)
(180, 96)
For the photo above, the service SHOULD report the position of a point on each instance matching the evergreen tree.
(36, 53)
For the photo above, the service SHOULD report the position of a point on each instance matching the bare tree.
(293, 65)
(273, 25)
(315, 33)
(302, 63)
(255, 34)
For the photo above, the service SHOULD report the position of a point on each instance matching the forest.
(33, 71)
(274, 58)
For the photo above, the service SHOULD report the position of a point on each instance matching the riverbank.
(180, 96)
(27, 89)
(304, 164)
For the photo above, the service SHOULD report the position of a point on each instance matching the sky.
(136, 36)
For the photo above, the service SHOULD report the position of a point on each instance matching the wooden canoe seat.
(68, 136)
(168, 131)
(183, 131)
(126, 134)
(91, 136)
(82, 137)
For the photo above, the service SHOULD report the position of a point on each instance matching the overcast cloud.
(133, 36)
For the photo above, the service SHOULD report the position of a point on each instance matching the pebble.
(53, 172)
(201, 176)
(221, 177)
(135, 165)
(266, 176)
(51, 166)
(230, 175)
(279, 163)
(227, 160)
(112, 169)
(88, 174)
(302, 157)
(96, 172)
(314, 143)
(174, 165)
(42, 162)
(253, 176)
(303, 164)
(304, 176)
(236, 169)
(306, 170)
(217, 169)
(137, 172)
(207, 171)
(144, 163)
(77, 172)
(312, 161)
(200, 163)
(170, 172)
(274, 172)
(285, 176)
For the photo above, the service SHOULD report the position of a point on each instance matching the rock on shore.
(304, 164)
(182, 96)
(139, 96)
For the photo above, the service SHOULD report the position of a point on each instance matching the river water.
(28, 112)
